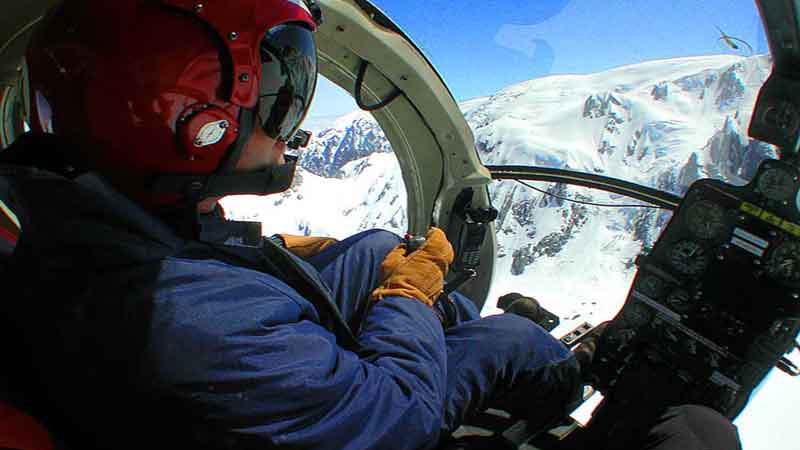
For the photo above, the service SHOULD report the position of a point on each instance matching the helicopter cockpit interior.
(714, 304)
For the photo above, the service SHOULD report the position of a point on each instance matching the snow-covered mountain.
(350, 138)
(634, 122)
(662, 123)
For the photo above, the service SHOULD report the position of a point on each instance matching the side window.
(348, 178)
(13, 111)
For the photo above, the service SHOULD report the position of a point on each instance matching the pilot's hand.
(586, 350)
(306, 246)
(418, 275)
(521, 305)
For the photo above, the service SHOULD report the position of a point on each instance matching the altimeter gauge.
(777, 184)
(706, 220)
(688, 258)
(784, 262)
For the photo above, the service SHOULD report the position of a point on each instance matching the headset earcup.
(207, 133)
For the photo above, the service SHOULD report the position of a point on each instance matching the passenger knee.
(376, 240)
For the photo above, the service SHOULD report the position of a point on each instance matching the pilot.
(149, 310)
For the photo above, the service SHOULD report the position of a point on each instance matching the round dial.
(784, 262)
(688, 258)
(706, 220)
(637, 314)
(776, 184)
(650, 285)
(679, 301)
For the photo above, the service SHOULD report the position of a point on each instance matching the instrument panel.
(716, 303)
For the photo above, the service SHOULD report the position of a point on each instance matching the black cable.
(362, 70)
(604, 205)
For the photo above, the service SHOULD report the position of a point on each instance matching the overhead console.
(716, 303)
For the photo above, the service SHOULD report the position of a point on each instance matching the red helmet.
(161, 95)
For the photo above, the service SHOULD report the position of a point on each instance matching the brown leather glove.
(419, 275)
(306, 246)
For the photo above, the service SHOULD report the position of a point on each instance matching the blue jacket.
(250, 351)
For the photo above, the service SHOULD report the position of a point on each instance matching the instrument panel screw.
(244, 78)
(233, 35)
(795, 295)
(198, 7)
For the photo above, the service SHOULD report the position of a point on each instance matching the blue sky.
(481, 46)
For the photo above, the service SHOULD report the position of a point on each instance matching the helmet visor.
(288, 79)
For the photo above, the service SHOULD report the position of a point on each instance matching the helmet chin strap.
(225, 181)
(247, 120)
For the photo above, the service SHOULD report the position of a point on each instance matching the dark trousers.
(686, 427)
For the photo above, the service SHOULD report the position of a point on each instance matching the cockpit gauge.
(777, 184)
(706, 220)
(784, 262)
(650, 285)
(637, 314)
(679, 301)
(688, 258)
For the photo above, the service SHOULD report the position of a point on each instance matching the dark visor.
(288, 79)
